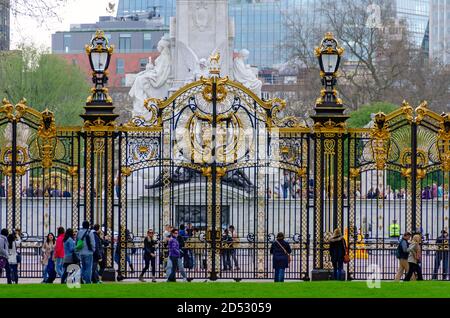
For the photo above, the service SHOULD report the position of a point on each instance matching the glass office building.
(260, 25)
(416, 13)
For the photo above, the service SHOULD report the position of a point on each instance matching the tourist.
(338, 249)
(97, 257)
(174, 255)
(227, 240)
(402, 255)
(281, 252)
(414, 258)
(180, 260)
(149, 255)
(59, 252)
(12, 276)
(167, 235)
(235, 244)
(4, 253)
(47, 259)
(128, 238)
(85, 247)
(105, 241)
(189, 229)
(442, 254)
(70, 257)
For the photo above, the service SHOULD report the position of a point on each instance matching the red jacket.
(59, 247)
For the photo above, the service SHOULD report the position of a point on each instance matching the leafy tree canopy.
(361, 117)
(46, 81)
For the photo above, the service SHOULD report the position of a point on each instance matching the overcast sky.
(77, 11)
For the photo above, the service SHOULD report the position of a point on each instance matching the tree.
(40, 10)
(46, 81)
(361, 117)
(382, 62)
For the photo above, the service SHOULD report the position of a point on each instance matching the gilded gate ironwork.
(228, 166)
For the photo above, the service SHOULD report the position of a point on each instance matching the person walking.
(414, 258)
(402, 256)
(442, 254)
(70, 257)
(4, 254)
(149, 255)
(48, 249)
(174, 255)
(85, 246)
(59, 252)
(338, 249)
(13, 276)
(281, 252)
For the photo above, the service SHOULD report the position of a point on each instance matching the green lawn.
(231, 290)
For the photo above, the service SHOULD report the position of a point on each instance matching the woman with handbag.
(70, 256)
(47, 252)
(414, 258)
(281, 252)
(338, 253)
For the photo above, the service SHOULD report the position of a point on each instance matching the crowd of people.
(428, 193)
(33, 191)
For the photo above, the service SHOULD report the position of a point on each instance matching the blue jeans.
(59, 266)
(86, 268)
(444, 257)
(13, 274)
(279, 275)
(338, 270)
(179, 266)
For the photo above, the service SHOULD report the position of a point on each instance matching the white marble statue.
(243, 73)
(153, 82)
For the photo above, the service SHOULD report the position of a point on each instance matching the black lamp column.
(99, 133)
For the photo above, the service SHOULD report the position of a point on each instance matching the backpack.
(80, 243)
(399, 252)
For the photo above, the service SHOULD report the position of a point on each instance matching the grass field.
(231, 290)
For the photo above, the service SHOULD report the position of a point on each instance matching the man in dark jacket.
(442, 254)
(281, 252)
(402, 255)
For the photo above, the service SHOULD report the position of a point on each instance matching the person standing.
(47, 258)
(59, 252)
(174, 255)
(338, 250)
(149, 255)
(235, 244)
(226, 252)
(85, 246)
(97, 256)
(394, 230)
(13, 276)
(167, 235)
(402, 256)
(414, 258)
(442, 254)
(281, 252)
(4, 254)
(69, 253)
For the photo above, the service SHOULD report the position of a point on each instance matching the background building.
(134, 42)
(4, 25)
(416, 13)
(440, 30)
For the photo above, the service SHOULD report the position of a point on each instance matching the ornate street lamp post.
(99, 134)
(99, 106)
(329, 134)
(328, 105)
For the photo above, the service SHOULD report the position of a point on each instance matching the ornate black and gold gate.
(212, 156)
(215, 157)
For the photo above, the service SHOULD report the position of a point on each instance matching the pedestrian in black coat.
(281, 252)
(337, 253)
